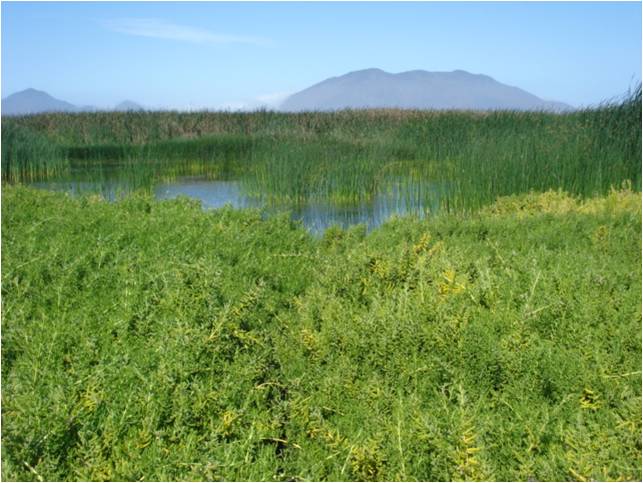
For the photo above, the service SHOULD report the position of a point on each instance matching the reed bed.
(349, 156)
(29, 156)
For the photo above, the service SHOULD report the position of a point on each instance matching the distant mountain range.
(370, 88)
(416, 89)
(32, 101)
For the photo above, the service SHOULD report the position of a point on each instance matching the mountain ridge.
(34, 101)
(359, 89)
(415, 89)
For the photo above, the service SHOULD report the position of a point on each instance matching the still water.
(315, 215)
(396, 199)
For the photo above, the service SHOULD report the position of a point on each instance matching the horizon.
(264, 52)
(276, 107)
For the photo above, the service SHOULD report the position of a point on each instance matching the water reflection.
(397, 197)
(315, 215)
(212, 194)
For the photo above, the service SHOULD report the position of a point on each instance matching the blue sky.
(241, 55)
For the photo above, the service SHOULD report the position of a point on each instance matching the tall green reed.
(29, 156)
(353, 155)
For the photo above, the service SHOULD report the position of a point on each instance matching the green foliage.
(152, 340)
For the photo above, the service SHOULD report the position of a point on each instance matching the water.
(400, 197)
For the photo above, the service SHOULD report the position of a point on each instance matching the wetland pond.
(394, 196)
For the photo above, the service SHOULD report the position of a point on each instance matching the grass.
(350, 156)
(149, 340)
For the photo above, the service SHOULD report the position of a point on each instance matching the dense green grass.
(146, 340)
(350, 156)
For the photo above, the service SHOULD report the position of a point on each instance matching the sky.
(242, 55)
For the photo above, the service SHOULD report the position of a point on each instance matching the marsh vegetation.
(497, 338)
(441, 160)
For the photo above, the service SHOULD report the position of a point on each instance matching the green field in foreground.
(147, 340)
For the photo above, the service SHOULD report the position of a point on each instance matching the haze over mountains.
(32, 101)
(416, 89)
(370, 88)
(129, 106)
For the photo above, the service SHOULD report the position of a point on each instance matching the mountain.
(416, 89)
(128, 106)
(31, 101)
